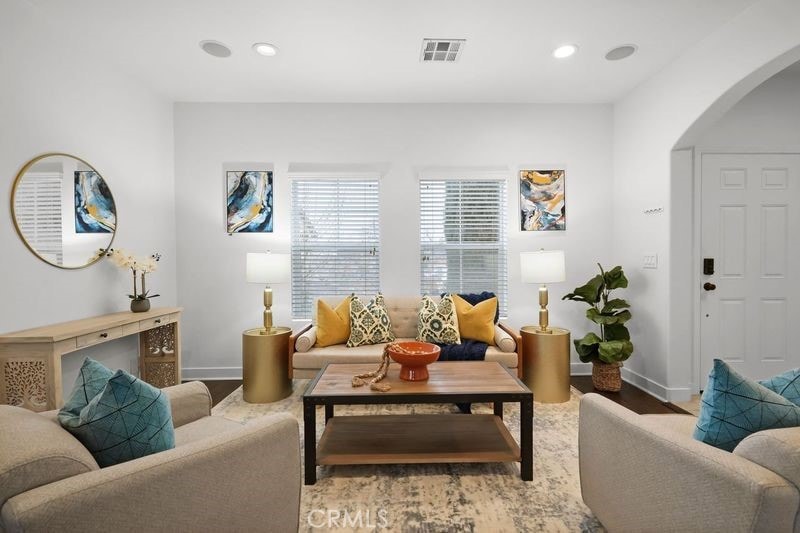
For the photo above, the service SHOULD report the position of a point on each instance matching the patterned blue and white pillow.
(733, 407)
(126, 420)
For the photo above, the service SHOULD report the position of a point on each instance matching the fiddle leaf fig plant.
(613, 345)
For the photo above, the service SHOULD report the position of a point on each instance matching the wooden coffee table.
(418, 438)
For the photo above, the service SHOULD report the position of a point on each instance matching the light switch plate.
(650, 261)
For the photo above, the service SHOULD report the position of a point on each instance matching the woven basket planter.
(606, 376)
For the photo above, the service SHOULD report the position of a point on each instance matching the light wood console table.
(30, 360)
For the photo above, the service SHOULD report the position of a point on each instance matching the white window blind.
(335, 240)
(463, 237)
(37, 206)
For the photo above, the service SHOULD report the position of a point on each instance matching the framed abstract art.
(249, 201)
(541, 200)
(94, 206)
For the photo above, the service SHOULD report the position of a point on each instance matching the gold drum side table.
(265, 364)
(545, 363)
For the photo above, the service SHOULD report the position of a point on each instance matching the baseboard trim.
(663, 393)
(580, 369)
(211, 373)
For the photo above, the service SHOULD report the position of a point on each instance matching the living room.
(167, 103)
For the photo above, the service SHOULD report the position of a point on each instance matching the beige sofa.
(305, 359)
(221, 476)
(647, 473)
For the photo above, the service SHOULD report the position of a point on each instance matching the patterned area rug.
(447, 497)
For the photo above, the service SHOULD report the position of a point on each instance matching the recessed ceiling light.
(621, 52)
(565, 50)
(265, 49)
(215, 48)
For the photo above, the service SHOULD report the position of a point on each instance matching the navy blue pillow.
(733, 407)
(476, 298)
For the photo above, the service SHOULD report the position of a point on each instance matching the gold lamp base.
(267, 310)
(544, 316)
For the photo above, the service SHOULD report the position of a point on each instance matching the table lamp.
(267, 268)
(544, 266)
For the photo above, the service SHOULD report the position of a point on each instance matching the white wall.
(766, 119)
(405, 138)
(666, 112)
(56, 97)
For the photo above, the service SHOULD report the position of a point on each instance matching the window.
(463, 237)
(37, 206)
(335, 240)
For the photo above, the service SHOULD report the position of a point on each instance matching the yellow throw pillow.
(476, 322)
(333, 325)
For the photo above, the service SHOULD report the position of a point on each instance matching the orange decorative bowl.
(414, 358)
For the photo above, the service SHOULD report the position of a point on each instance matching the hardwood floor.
(631, 397)
(221, 388)
(634, 399)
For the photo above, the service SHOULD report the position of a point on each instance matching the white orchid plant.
(139, 267)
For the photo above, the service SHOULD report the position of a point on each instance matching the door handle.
(709, 286)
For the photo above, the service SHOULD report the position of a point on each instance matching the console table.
(30, 360)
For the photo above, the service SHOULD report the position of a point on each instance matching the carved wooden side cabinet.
(30, 360)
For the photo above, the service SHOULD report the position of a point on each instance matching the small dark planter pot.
(140, 306)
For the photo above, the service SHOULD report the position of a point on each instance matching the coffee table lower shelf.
(407, 439)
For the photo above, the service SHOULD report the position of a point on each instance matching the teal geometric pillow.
(128, 419)
(786, 384)
(733, 407)
(90, 381)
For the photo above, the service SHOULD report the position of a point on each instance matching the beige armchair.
(220, 476)
(647, 473)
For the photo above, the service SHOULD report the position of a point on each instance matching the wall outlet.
(650, 261)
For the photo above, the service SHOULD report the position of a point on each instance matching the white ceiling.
(368, 50)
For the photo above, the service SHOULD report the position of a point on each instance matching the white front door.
(751, 229)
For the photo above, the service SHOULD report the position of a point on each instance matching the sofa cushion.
(476, 322)
(438, 322)
(333, 323)
(733, 407)
(91, 379)
(786, 384)
(404, 313)
(369, 323)
(317, 358)
(128, 419)
(35, 450)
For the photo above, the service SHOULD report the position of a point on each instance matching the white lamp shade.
(543, 266)
(267, 268)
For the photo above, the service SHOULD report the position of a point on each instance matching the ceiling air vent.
(445, 50)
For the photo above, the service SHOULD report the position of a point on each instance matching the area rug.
(448, 497)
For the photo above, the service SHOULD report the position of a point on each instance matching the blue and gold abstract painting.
(541, 200)
(250, 201)
(95, 211)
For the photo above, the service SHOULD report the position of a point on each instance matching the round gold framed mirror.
(63, 210)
